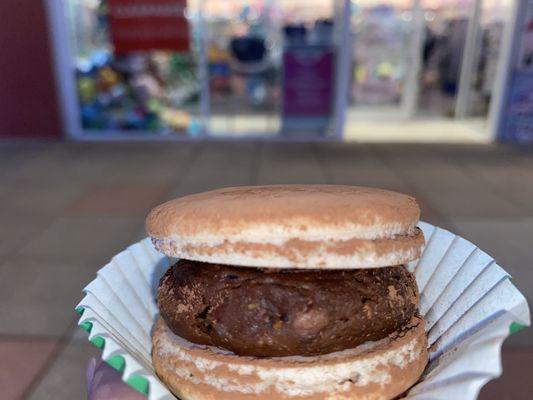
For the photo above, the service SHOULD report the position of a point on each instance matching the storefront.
(133, 69)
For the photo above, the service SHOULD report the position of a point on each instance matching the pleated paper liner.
(469, 303)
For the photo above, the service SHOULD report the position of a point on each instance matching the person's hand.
(105, 383)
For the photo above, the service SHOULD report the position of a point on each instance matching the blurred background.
(109, 107)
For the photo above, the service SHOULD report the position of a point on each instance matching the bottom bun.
(379, 370)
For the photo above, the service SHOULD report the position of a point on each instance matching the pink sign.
(308, 81)
(138, 25)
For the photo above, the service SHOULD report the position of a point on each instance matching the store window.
(244, 45)
(277, 68)
(221, 68)
(136, 67)
(424, 69)
(271, 67)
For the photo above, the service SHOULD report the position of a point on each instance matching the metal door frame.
(506, 59)
(469, 62)
(409, 102)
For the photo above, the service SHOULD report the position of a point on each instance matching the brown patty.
(256, 312)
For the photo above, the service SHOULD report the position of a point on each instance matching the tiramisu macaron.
(289, 292)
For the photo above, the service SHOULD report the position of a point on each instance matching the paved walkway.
(66, 208)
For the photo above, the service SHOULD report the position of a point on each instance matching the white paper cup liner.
(469, 303)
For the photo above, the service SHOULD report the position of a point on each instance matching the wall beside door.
(28, 107)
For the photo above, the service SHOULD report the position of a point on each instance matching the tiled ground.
(65, 208)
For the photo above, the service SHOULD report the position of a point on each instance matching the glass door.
(243, 46)
(190, 68)
(429, 59)
(383, 39)
(271, 67)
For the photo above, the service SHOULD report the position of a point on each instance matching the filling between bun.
(272, 312)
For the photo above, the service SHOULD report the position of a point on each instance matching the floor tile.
(120, 199)
(516, 382)
(20, 363)
(18, 230)
(218, 165)
(39, 298)
(52, 166)
(85, 239)
(469, 203)
(435, 176)
(151, 165)
(353, 172)
(66, 378)
(78, 336)
(349, 165)
(511, 179)
(38, 200)
(13, 156)
(452, 186)
(80, 164)
(289, 163)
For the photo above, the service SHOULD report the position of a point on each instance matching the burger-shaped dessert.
(289, 292)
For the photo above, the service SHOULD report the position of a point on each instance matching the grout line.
(191, 159)
(257, 152)
(50, 361)
(16, 250)
(29, 337)
(491, 187)
(327, 174)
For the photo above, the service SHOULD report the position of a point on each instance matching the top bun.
(290, 226)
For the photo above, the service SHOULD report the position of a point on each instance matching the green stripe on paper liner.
(98, 341)
(515, 327)
(87, 326)
(117, 362)
(137, 382)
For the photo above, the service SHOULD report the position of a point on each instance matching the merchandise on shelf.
(148, 92)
